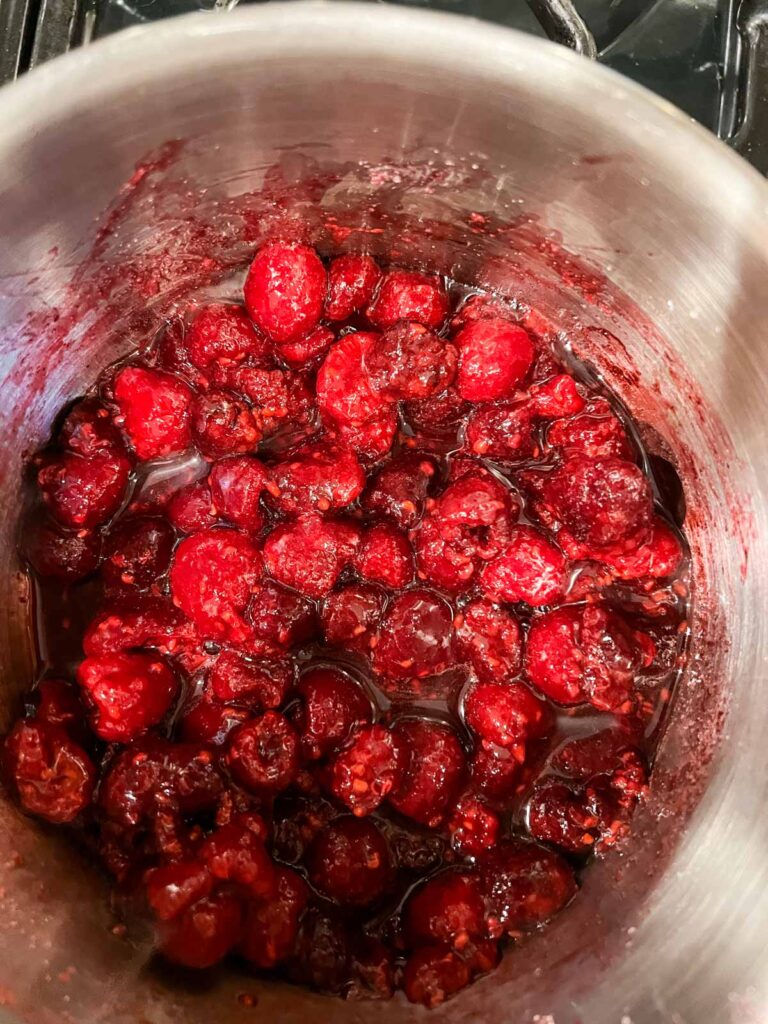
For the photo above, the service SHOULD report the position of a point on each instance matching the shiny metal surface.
(447, 125)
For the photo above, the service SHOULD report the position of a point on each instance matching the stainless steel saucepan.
(150, 164)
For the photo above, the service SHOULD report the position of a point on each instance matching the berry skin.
(263, 754)
(333, 704)
(494, 358)
(409, 295)
(60, 554)
(557, 396)
(529, 569)
(501, 431)
(352, 279)
(237, 484)
(281, 617)
(210, 723)
(367, 770)
(595, 432)
(202, 934)
(285, 290)
(192, 509)
(370, 440)
(385, 556)
(524, 884)
(89, 428)
(495, 772)
(349, 862)
(224, 424)
(212, 576)
(53, 776)
(351, 616)
(398, 491)
(586, 654)
(435, 771)
(308, 347)
(171, 888)
(138, 552)
(223, 334)
(128, 693)
(234, 853)
(258, 685)
(308, 555)
(81, 493)
(155, 406)
(507, 715)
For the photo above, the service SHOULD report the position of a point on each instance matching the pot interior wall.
(483, 156)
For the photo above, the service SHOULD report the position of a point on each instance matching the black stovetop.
(709, 57)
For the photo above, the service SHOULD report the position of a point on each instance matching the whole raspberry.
(310, 554)
(53, 776)
(128, 693)
(237, 484)
(524, 884)
(448, 908)
(333, 704)
(138, 552)
(400, 488)
(409, 295)
(408, 361)
(263, 754)
(318, 477)
(285, 290)
(155, 406)
(223, 424)
(349, 862)
(55, 553)
(271, 928)
(529, 569)
(81, 492)
(435, 772)
(202, 934)
(416, 636)
(494, 358)
(507, 715)
(385, 556)
(352, 279)
(351, 616)
(433, 974)
(258, 685)
(222, 333)
(345, 392)
(191, 509)
(367, 770)
(489, 638)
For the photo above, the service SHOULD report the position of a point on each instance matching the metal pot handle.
(563, 24)
(743, 118)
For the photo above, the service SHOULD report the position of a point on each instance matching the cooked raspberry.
(600, 501)
(482, 957)
(58, 703)
(279, 398)
(525, 884)
(236, 486)
(191, 509)
(447, 908)
(371, 969)
(595, 432)
(557, 396)
(435, 771)
(529, 569)
(409, 295)
(285, 290)
(495, 772)
(137, 552)
(333, 704)
(234, 853)
(322, 952)
(368, 769)
(271, 928)
(59, 554)
(128, 693)
(149, 622)
(298, 819)
(153, 772)
(433, 974)
(310, 554)
(172, 888)
(282, 617)
(351, 616)
(489, 638)
(445, 565)
(223, 424)
(308, 347)
(204, 933)
(213, 574)
(507, 715)
(345, 393)
(263, 755)
(502, 431)
(222, 333)
(208, 722)
(586, 654)
(385, 556)
(596, 754)
(400, 488)
(169, 351)
(481, 307)
(408, 361)
(54, 776)
(349, 862)
(494, 358)
(474, 827)
(90, 428)
(415, 637)
(658, 558)
(370, 440)
(318, 477)
(579, 818)
(84, 492)
(155, 407)
(439, 415)
(256, 685)
(352, 279)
